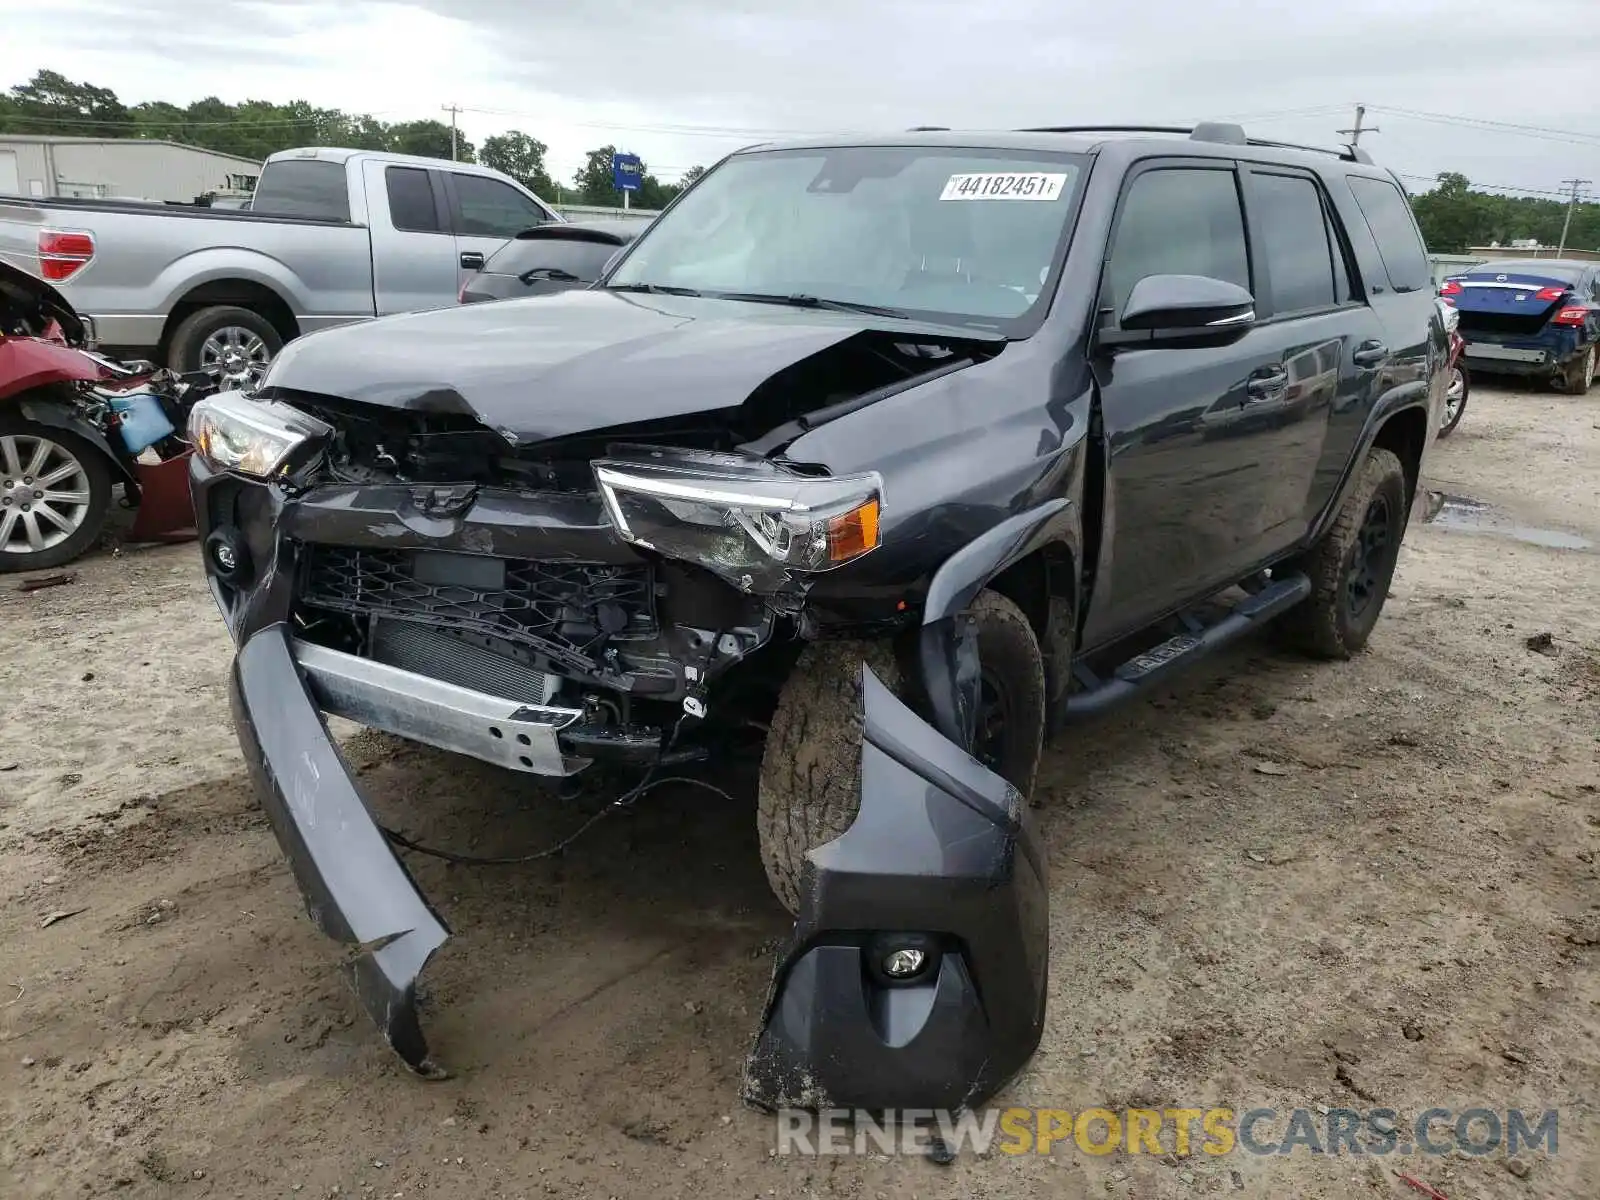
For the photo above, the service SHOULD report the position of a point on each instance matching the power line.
(1534, 131)
(1491, 187)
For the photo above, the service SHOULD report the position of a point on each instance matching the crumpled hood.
(28, 297)
(551, 366)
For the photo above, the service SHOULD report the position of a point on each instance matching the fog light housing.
(904, 962)
(227, 556)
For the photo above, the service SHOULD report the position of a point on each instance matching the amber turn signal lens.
(854, 533)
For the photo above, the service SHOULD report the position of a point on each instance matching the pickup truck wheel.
(1350, 568)
(810, 787)
(55, 490)
(233, 345)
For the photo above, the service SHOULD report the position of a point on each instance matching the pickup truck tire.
(87, 475)
(232, 342)
(1350, 568)
(810, 786)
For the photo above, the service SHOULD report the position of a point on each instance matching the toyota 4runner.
(900, 453)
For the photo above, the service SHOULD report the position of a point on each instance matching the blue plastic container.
(143, 420)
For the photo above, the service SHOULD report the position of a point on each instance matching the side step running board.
(1143, 670)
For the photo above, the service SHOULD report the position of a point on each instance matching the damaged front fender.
(942, 861)
(356, 890)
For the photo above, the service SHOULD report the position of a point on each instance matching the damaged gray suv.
(894, 455)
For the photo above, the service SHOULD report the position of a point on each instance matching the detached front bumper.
(356, 891)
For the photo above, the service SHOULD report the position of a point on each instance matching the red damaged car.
(74, 425)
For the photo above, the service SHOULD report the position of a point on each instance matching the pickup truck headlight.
(253, 437)
(754, 525)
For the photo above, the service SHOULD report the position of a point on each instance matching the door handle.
(1370, 354)
(472, 260)
(1266, 383)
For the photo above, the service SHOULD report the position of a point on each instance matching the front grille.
(567, 610)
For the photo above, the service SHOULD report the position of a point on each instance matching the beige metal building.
(124, 168)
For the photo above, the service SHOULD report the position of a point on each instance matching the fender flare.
(57, 416)
(946, 644)
(1380, 416)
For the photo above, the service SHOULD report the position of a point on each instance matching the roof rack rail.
(929, 129)
(1223, 132)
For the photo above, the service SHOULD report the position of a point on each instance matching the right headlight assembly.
(259, 438)
(745, 520)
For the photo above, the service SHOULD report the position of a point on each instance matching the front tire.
(810, 787)
(1350, 568)
(55, 490)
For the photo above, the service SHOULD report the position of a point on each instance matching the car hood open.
(552, 366)
(25, 297)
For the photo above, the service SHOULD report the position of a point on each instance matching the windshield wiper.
(555, 274)
(801, 300)
(653, 289)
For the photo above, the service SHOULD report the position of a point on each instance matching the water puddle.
(1475, 516)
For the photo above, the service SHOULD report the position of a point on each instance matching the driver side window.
(1178, 221)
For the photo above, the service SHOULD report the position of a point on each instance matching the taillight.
(1550, 294)
(1450, 287)
(63, 252)
(1576, 314)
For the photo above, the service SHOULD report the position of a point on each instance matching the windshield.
(937, 233)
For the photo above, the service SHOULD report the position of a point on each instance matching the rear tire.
(1350, 568)
(1456, 392)
(810, 788)
(234, 345)
(20, 440)
(1578, 374)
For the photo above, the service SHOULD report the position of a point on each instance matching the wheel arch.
(43, 409)
(252, 294)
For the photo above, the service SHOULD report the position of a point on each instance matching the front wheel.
(1455, 399)
(810, 787)
(55, 489)
(1350, 568)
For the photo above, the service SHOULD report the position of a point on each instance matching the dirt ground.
(1278, 883)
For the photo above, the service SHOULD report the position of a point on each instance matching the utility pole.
(1566, 224)
(452, 110)
(1355, 134)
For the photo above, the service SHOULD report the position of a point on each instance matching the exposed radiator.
(441, 655)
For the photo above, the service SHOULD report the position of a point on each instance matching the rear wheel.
(55, 489)
(1350, 568)
(1455, 399)
(810, 788)
(233, 345)
(1578, 374)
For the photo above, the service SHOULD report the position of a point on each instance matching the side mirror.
(1191, 305)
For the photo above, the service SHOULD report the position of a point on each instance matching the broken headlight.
(232, 432)
(748, 521)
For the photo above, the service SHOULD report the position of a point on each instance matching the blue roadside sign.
(626, 172)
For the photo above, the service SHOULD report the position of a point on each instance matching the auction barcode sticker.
(1004, 185)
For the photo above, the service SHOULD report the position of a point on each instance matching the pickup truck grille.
(567, 610)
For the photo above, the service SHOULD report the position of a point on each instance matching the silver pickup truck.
(331, 236)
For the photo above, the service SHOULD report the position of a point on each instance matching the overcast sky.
(684, 81)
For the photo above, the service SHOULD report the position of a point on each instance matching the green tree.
(690, 176)
(522, 158)
(50, 103)
(430, 139)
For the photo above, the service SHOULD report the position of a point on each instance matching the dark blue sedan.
(1534, 317)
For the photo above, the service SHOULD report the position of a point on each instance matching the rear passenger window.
(1295, 242)
(303, 188)
(490, 208)
(1388, 215)
(411, 205)
(1179, 221)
